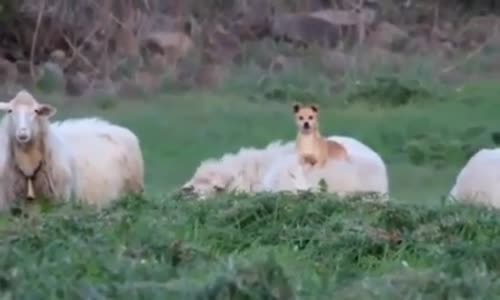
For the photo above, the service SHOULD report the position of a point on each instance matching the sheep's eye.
(9, 111)
(37, 111)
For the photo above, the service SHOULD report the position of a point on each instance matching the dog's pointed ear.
(296, 107)
(315, 107)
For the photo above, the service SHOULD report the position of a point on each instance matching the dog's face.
(306, 117)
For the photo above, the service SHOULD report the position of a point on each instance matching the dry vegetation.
(124, 47)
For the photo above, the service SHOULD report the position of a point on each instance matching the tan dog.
(312, 148)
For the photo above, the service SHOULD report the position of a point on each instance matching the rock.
(174, 46)
(388, 36)
(54, 69)
(59, 57)
(346, 17)
(76, 84)
(477, 31)
(252, 22)
(51, 77)
(305, 30)
(220, 46)
(250, 29)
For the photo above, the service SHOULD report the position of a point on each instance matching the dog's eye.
(9, 111)
(310, 117)
(301, 118)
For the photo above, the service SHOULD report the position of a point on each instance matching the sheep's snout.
(23, 135)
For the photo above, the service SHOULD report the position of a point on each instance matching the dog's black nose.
(306, 125)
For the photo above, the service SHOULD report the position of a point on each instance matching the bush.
(440, 150)
(391, 91)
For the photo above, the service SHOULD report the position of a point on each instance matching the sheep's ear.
(296, 107)
(219, 188)
(4, 106)
(46, 110)
(314, 107)
(187, 188)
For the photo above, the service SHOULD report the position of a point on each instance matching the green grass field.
(273, 246)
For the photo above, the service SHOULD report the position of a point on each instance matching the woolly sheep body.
(241, 171)
(479, 180)
(285, 174)
(108, 159)
(365, 172)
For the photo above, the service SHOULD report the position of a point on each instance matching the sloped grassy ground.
(260, 247)
(275, 246)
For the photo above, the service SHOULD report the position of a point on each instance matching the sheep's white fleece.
(108, 159)
(479, 179)
(275, 168)
(59, 168)
(241, 171)
(365, 172)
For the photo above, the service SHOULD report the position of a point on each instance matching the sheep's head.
(208, 180)
(26, 117)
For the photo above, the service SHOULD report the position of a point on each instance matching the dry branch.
(473, 53)
(76, 52)
(35, 38)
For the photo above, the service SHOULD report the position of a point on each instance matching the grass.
(268, 247)
(273, 246)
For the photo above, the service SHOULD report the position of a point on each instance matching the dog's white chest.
(307, 145)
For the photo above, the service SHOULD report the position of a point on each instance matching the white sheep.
(479, 180)
(241, 171)
(34, 161)
(83, 159)
(108, 159)
(365, 171)
(274, 168)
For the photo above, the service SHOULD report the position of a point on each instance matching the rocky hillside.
(124, 45)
